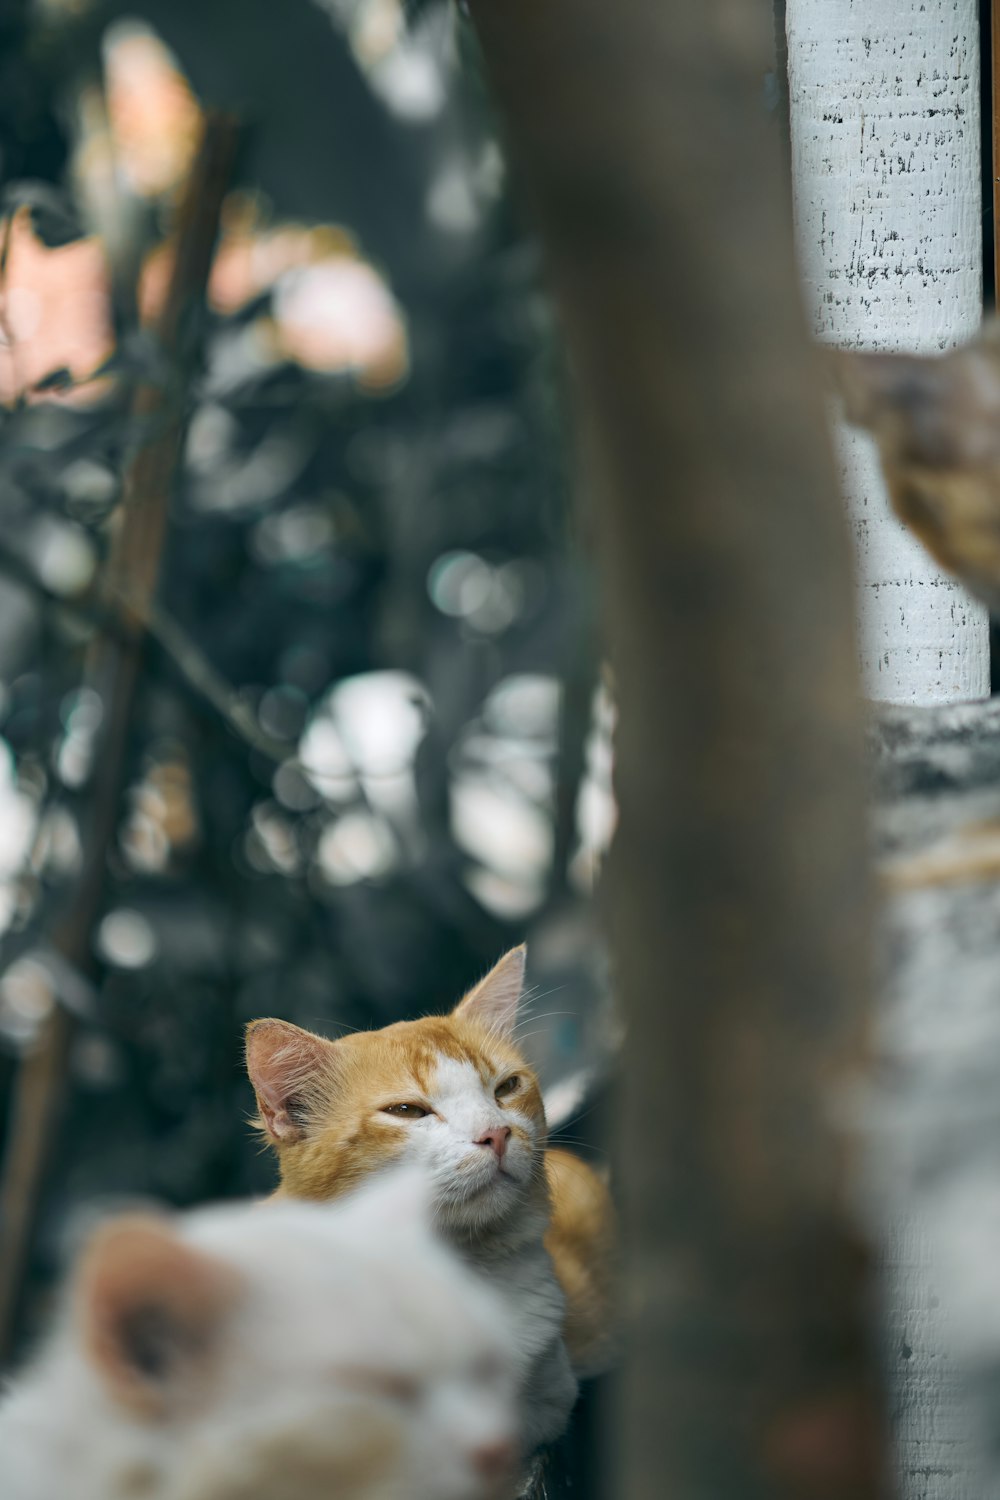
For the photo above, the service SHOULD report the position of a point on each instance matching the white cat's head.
(452, 1092)
(254, 1352)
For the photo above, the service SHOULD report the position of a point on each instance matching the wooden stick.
(738, 878)
(114, 668)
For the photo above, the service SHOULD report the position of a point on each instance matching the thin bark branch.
(738, 880)
(191, 663)
(114, 670)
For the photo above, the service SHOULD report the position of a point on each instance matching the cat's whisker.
(532, 997)
(547, 1015)
(526, 1037)
(575, 1119)
(579, 1143)
(578, 1167)
(342, 1026)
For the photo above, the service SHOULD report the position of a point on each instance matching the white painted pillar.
(884, 100)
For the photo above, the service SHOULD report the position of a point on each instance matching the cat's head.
(248, 1352)
(452, 1092)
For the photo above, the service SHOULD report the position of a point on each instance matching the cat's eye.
(509, 1086)
(405, 1111)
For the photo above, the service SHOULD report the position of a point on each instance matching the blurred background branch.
(113, 670)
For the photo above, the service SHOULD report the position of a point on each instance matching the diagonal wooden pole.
(113, 668)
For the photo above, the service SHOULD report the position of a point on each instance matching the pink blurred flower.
(331, 311)
(155, 119)
(54, 312)
(340, 315)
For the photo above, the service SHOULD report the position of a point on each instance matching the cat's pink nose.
(496, 1139)
(494, 1460)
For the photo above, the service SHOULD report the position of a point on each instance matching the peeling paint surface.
(885, 119)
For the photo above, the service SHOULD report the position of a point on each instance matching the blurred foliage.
(380, 574)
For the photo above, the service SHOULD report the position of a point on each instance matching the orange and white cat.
(311, 1352)
(455, 1093)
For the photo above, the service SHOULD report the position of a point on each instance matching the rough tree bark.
(738, 880)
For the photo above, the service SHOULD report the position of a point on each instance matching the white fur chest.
(525, 1280)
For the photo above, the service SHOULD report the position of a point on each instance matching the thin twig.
(186, 655)
(195, 666)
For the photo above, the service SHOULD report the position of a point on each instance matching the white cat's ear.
(494, 1001)
(283, 1062)
(151, 1312)
(396, 1201)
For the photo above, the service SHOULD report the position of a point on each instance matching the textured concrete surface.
(934, 1107)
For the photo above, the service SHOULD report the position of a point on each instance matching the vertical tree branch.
(113, 669)
(738, 879)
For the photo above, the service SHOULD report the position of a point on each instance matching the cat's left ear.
(494, 1001)
(152, 1312)
(284, 1063)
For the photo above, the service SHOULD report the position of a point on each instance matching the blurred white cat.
(303, 1353)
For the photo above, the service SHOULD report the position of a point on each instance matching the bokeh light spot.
(126, 940)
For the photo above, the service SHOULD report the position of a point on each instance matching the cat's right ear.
(283, 1061)
(151, 1311)
(494, 1001)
